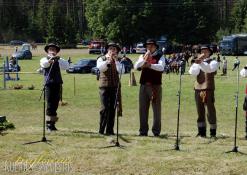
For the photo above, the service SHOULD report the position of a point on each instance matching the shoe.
(201, 132)
(212, 133)
(156, 135)
(54, 127)
(109, 133)
(100, 132)
(200, 135)
(143, 134)
(50, 126)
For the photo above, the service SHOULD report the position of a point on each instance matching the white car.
(140, 48)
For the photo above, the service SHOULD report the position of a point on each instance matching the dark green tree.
(239, 17)
(55, 21)
(120, 20)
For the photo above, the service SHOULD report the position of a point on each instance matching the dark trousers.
(107, 111)
(52, 92)
(145, 98)
(208, 101)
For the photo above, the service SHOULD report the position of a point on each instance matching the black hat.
(52, 45)
(113, 45)
(207, 47)
(151, 41)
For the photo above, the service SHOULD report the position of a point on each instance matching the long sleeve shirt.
(102, 65)
(204, 66)
(63, 64)
(158, 67)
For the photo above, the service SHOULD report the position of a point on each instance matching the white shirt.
(102, 65)
(158, 67)
(63, 64)
(243, 72)
(204, 66)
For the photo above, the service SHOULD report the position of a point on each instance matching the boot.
(50, 126)
(213, 132)
(201, 132)
(53, 126)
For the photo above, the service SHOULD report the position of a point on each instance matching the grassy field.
(78, 145)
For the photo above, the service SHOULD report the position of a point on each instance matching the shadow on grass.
(40, 141)
(100, 135)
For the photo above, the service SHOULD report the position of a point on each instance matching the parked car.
(140, 48)
(96, 47)
(24, 53)
(16, 42)
(82, 66)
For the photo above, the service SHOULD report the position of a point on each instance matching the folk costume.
(150, 89)
(108, 84)
(204, 93)
(53, 81)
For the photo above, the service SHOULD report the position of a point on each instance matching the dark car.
(23, 55)
(16, 42)
(82, 66)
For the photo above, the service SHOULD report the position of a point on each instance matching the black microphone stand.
(43, 139)
(179, 97)
(117, 103)
(235, 147)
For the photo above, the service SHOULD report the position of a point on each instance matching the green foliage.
(222, 32)
(239, 16)
(117, 20)
(125, 21)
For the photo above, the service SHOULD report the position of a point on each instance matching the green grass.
(77, 139)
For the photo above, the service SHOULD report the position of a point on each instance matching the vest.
(205, 81)
(109, 78)
(149, 75)
(55, 74)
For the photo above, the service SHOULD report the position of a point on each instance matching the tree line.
(125, 21)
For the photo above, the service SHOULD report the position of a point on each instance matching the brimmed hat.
(150, 41)
(112, 44)
(52, 45)
(207, 47)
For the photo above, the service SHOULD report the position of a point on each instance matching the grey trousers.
(150, 94)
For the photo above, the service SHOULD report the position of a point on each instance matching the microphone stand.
(117, 103)
(179, 97)
(43, 139)
(235, 147)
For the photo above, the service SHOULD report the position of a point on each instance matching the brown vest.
(205, 81)
(109, 78)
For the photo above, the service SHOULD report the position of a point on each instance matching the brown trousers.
(205, 98)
